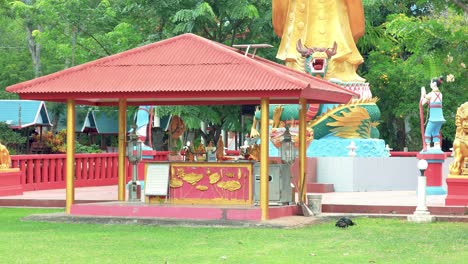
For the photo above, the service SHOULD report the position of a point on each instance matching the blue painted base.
(272, 150)
(435, 190)
(337, 147)
(432, 151)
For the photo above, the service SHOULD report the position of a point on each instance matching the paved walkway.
(341, 200)
(399, 198)
(109, 193)
(104, 193)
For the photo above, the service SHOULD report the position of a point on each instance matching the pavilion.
(183, 70)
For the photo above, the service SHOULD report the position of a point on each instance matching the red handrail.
(48, 171)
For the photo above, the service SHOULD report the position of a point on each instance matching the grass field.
(370, 241)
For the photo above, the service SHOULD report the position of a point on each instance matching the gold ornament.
(229, 185)
(192, 178)
(176, 183)
(460, 144)
(202, 188)
(214, 178)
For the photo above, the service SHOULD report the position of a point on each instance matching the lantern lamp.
(287, 151)
(134, 155)
(134, 148)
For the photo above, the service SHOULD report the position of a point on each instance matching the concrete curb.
(289, 222)
(285, 222)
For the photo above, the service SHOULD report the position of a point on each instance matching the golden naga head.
(460, 144)
(5, 159)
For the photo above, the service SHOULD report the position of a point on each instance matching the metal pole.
(132, 193)
(264, 158)
(302, 150)
(70, 161)
(421, 214)
(421, 121)
(134, 176)
(122, 148)
(421, 207)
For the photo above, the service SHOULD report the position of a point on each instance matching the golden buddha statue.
(220, 149)
(5, 159)
(320, 23)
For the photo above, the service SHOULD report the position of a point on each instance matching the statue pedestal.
(10, 182)
(457, 191)
(338, 147)
(434, 172)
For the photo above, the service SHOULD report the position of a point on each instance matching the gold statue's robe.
(318, 23)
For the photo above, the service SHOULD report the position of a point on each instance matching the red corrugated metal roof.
(186, 69)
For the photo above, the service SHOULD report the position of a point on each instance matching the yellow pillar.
(302, 150)
(264, 157)
(122, 147)
(70, 162)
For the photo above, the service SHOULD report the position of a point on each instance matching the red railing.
(48, 171)
(411, 154)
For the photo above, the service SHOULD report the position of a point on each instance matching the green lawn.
(370, 241)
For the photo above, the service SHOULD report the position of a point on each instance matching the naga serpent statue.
(319, 37)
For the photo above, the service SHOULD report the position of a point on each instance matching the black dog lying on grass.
(344, 222)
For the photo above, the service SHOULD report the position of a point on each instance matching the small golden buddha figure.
(220, 149)
(5, 159)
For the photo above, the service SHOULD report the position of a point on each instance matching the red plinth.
(311, 176)
(10, 182)
(434, 169)
(457, 191)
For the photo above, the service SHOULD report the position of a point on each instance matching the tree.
(11, 139)
(14, 56)
(217, 118)
(226, 22)
(402, 54)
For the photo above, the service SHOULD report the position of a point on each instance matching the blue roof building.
(24, 113)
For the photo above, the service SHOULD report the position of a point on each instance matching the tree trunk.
(35, 50)
(73, 40)
(400, 134)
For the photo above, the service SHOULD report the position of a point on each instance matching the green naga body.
(357, 119)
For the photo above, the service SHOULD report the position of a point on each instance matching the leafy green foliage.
(220, 20)
(79, 148)
(217, 118)
(10, 138)
(403, 53)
